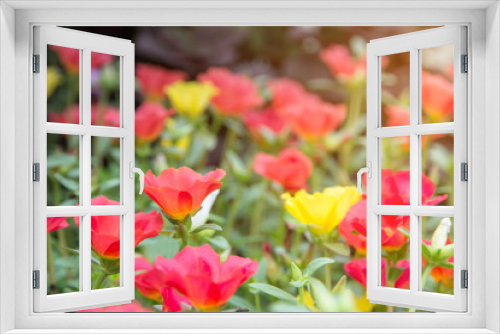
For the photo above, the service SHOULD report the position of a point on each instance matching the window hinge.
(465, 64)
(36, 172)
(36, 279)
(464, 171)
(465, 279)
(36, 63)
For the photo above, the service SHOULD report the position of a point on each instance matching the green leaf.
(296, 273)
(316, 264)
(212, 227)
(240, 302)
(339, 248)
(446, 265)
(340, 285)
(446, 252)
(59, 160)
(404, 231)
(426, 252)
(216, 218)
(163, 245)
(218, 242)
(322, 297)
(110, 184)
(74, 251)
(274, 292)
(67, 183)
(237, 166)
(394, 273)
(300, 283)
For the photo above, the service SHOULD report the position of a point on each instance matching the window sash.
(413, 43)
(86, 43)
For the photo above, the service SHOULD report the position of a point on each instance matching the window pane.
(438, 169)
(437, 84)
(395, 90)
(63, 260)
(63, 172)
(105, 89)
(395, 250)
(106, 169)
(437, 254)
(63, 90)
(395, 174)
(105, 251)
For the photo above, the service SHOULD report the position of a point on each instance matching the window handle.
(139, 171)
(367, 170)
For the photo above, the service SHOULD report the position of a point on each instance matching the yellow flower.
(191, 98)
(321, 211)
(309, 302)
(363, 304)
(53, 80)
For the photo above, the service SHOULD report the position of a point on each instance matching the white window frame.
(413, 44)
(483, 21)
(86, 43)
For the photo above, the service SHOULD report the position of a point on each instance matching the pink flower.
(343, 65)
(237, 93)
(285, 92)
(437, 97)
(105, 115)
(312, 118)
(56, 223)
(198, 274)
(154, 79)
(403, 281)
(267, 119)
(291, 168)
(149, 121)
(356, 269)
(172, 300)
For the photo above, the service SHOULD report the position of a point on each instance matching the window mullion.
(85, 107)
(414, 168)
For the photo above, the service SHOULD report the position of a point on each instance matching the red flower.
(105, 230)
(197, 273)
(403, 281)
(291, 168)
(312, 118)
(267, 119)
(127, 308)
(395, 191)
(56, 223)
(70, 58)
(237, 93)
(153, 79)
(356, 269)
(149, 121)
(110, 116)
(172, 300)
(150, 283)
(437, 97)
(285, 92)
(342, 64)
(180, 192)
(397, 115)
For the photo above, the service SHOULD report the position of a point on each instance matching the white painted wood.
(265, 14)
(414, 43)
(86, 297)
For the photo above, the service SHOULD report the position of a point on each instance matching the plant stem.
(257, 213)
(296, 242)
(302, 297)
(257, 303)
(50, 265)
(426, 274)
(99, 281)
(328, 272)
